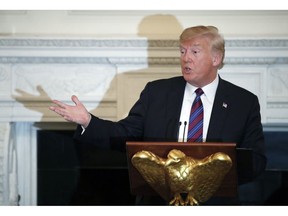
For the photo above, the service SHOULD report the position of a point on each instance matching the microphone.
(179, 125)
(185, 123)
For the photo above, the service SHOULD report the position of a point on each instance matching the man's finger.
(75, 100)
(60, 104)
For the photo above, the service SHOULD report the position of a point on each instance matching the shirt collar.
(209, 90)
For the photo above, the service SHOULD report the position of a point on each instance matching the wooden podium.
(138, 185)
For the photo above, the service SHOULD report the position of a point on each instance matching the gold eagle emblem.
(180, 175)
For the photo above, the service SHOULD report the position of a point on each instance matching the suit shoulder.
(167, 82)
(237, 90)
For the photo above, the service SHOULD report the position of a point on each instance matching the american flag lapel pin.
(224, 105)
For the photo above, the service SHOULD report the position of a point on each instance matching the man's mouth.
(187, 69)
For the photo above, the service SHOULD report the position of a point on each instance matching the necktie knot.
(199, 92)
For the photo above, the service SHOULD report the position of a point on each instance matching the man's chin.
(189, 77)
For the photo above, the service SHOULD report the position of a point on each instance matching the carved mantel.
(108, 75)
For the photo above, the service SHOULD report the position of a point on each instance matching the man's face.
(197, 62)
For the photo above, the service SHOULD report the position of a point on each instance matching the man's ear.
(216, 58)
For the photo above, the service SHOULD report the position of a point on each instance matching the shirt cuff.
(83, 129)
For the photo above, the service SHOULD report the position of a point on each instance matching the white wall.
(152, 24)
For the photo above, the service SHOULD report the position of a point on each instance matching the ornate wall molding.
(131, 60)
(54, 60)
(132, 51)
(118, 43)
(26, 62)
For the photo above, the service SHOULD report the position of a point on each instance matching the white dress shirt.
(207, 100)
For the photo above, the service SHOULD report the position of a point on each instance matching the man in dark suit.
(231, 113)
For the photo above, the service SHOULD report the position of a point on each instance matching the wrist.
(87, 121)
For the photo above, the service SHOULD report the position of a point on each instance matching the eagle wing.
(151, 167)
(207, 176)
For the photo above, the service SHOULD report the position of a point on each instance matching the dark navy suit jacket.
(155, 116)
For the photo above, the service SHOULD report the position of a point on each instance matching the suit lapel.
(219, 112)
(174, 104)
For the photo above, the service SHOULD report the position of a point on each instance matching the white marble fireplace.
(107, 75)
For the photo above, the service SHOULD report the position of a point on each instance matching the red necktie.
(195, 130)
